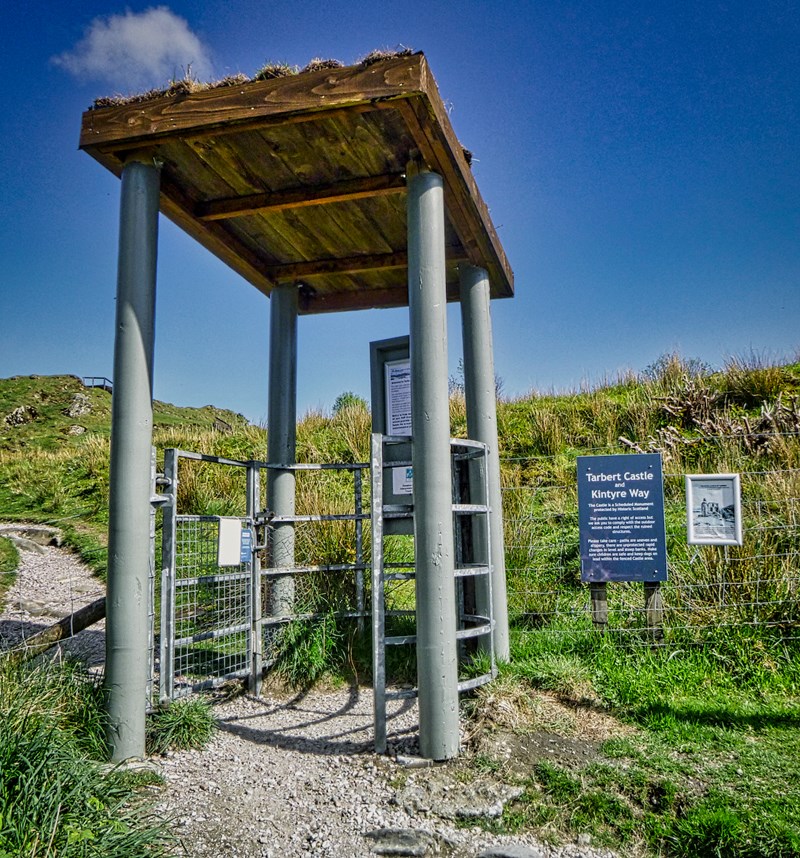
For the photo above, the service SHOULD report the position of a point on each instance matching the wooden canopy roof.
(301, 178)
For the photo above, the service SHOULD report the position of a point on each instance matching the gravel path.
(51, 583)
(291, 776)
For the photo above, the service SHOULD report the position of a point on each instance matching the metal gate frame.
(248, 619)
(241, 584)
(470, 623)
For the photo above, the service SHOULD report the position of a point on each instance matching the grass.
(182, 724)
(56, 798)
(704, 759)
(9, 560)
(711, 766)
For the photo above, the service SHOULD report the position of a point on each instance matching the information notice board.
(621, 518)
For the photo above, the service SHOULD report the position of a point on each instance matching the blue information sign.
(621, 516)
(246, 545)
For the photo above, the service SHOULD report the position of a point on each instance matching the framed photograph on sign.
(713, 509)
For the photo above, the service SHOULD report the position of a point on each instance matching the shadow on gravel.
(351, 724)
(88, 645)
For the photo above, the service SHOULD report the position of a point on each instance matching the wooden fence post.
(654, 610)
(599, 605)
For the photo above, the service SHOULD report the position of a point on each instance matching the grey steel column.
(281, 438)
(481, 396)
(437, 669)
(131, 438)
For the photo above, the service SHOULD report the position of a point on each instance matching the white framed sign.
(398, 397)
(713, 509)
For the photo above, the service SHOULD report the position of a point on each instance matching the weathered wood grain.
(296, 198)
(225, 107)
(301, 178)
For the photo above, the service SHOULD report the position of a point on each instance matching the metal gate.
(214, 622)
(472, 578)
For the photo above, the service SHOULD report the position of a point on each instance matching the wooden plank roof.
(302, 178)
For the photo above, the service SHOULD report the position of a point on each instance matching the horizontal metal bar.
(469, 571)
(284, 519)
(471, 509)
(213, 682)
(476, 632)
(280, 571)
(212, 635)
(205, 519)
(295, 466)
(475, 682)
(290, 618)
(212, 579)
(401, 694)
(399, 640)
(307, 466)
(216, 460)
(467, 442)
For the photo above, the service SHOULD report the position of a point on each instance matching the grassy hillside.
(54, 464)
(698, 751)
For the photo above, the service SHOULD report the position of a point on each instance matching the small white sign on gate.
(230, 541)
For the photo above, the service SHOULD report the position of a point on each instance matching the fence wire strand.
(756, 584)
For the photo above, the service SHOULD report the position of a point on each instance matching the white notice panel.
(398, 397)
(230, 541)
(713, 509)
(398, 416)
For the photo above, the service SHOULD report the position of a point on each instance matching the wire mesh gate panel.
(212, 609)
(206, 611)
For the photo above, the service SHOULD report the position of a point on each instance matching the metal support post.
(151, 584)
(281, 438)
(131, 439)
(169, 529)
(437, 668)
(358, 498)
(654, 611)
(256, 621)
(378, 616)
(481, 398)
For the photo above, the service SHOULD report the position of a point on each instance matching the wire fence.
(708, 587)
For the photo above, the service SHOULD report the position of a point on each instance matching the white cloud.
(137, 50)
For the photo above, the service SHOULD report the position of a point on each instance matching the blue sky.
(640, 162)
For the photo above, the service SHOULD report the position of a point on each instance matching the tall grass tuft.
(180, 725)
(55, 798)
(750, 379)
